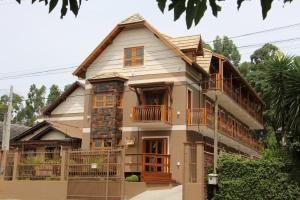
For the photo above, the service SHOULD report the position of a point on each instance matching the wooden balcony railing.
(216, 83)
(204, 117)
(152, 113)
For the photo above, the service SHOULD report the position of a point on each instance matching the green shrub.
(33, 160)
(132, 178)
(262, 179)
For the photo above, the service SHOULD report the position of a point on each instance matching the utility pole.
(216, 134)
(7, 122)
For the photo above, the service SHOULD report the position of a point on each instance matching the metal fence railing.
(39, 166)
(95, 164)
(63, 165)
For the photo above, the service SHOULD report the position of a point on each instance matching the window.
(134, 56)
(104, 100)
(50, 153)
(101, 143)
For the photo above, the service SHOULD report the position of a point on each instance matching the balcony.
(227, 125)
(232, 98)
(146, 115)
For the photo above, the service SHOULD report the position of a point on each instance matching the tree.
(53, 94)
(194, 9)
(283, 74)
(17, 105)
(244, 68)
(67, 87)
(34, 102)
(255, 72)
(227, 48)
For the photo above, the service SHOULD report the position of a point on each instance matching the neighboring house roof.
(45, 127)
(15, 130)
(48, 109)
(133, 21)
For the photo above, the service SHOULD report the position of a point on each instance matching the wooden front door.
(155, 155)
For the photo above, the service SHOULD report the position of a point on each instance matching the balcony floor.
(209, 132)
(235, 109)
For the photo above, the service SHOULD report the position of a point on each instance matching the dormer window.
(134, 56)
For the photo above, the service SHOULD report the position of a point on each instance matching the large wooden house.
(152, 93)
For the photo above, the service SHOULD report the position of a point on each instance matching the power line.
(263, 31)
(275, 41)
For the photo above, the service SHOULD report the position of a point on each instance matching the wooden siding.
(204, 61)
(74, 103)
(158, 58)
(54, 135)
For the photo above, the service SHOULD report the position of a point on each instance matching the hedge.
(262, 179)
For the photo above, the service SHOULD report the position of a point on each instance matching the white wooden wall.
(158, 58)
(74, 103)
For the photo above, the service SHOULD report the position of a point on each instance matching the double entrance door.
(155, 155)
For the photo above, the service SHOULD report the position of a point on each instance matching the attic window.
(134, 56)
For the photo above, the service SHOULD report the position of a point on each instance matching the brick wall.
(106, 122)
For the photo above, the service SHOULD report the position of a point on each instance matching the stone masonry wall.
(106, 122)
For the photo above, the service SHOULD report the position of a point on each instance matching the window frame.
(133, 58)
(104, 101)
(102, 142)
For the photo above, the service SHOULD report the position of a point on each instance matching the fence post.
(3, 164)
(186, 169)
(186, 162)
(16, 164)
(63, 165)
(200, 167)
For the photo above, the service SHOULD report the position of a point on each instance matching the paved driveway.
(174, 193)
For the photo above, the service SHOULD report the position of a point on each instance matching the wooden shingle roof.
(133, 19)
(186, 42)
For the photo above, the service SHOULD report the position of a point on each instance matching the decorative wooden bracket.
(138, 96)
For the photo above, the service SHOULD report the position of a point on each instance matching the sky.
(31, 40)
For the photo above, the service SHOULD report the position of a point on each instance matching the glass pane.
(139, 61)
(159, 147)
(107, 143)
(159, 169)
(99, 97)
(153, 147)
(97, 143)
(159, 160)
(99, 104)
(147, 150)
(128, 63)
(128, 53)
(139, 52)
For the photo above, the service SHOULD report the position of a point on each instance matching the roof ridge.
(133, 18)
(187, 36)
